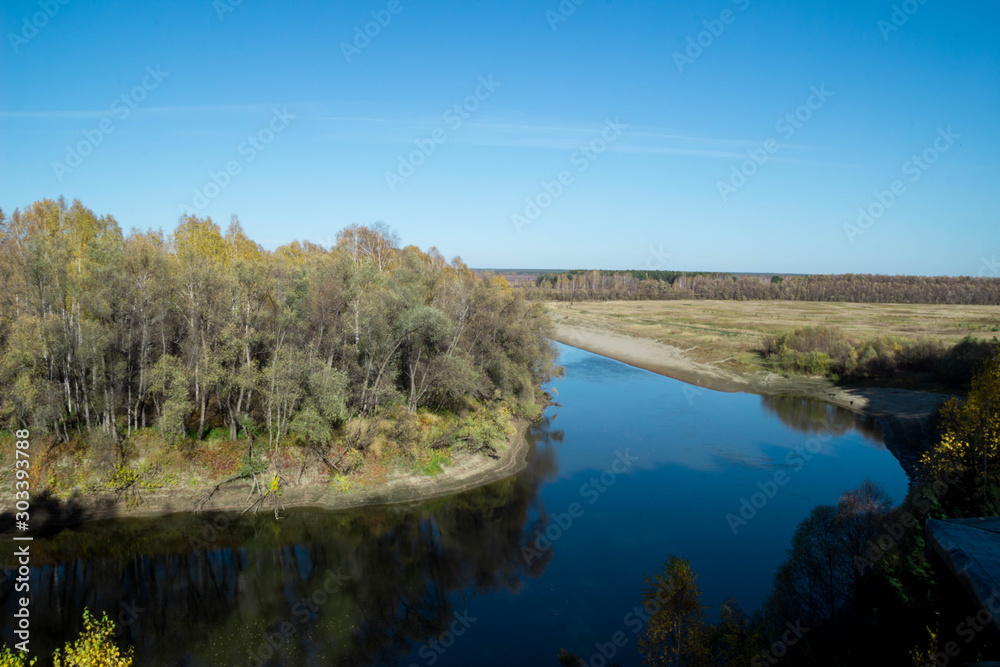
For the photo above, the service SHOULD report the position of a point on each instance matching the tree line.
(851, 288)
(107, 332)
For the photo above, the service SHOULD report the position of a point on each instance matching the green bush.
(826, 351)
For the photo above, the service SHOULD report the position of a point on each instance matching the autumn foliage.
(201, 329)
(968, 447)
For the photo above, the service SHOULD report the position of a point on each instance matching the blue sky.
(310, 129)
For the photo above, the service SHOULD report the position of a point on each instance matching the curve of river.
(628, 467)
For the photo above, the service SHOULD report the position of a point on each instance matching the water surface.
(630, 466)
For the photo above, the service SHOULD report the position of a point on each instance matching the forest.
(849, 288)
(201, 332)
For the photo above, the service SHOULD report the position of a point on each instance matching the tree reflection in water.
(187, 593)
(811, 415)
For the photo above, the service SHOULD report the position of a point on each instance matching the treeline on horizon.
(601, 285)
(106, 332)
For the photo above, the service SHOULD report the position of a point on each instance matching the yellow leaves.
(240, 246)
(197, 239)
(948, 455)
(46, 214)
(94, 647)
(342, 483)
(9, 658)
(291, 253)
(376, 245)
(968, 445)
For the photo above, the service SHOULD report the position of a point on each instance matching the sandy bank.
(467, 471)
(905, 415)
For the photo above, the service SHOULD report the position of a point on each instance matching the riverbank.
(465, 471)
(906, 416)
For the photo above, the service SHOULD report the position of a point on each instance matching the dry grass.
(735, 330)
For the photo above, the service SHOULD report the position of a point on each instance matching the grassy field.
(734, 331)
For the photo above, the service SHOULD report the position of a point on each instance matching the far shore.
(905, 415)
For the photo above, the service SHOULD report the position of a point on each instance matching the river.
(627, 467)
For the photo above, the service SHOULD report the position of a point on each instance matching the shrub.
(222, 457)
(9, 658)
(826, 351)
(968, 447)
(93, 647)
(432, 462)
(484, 430)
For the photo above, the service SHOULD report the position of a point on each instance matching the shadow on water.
(327, 588)
(52, 513)
(813, 416)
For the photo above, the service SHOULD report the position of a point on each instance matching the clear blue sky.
(654, 188)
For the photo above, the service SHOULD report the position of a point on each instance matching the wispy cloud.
(98, 113)
(654, 141)
(373, 129)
